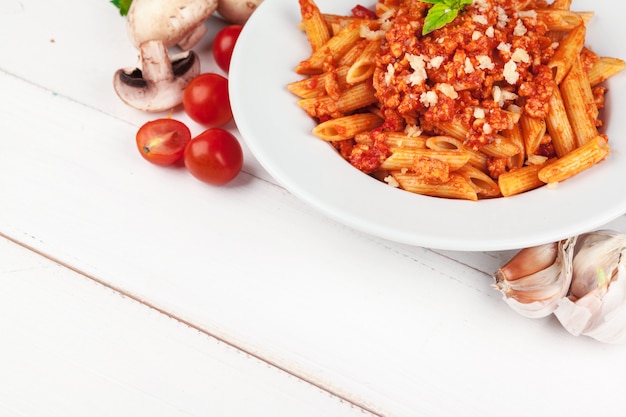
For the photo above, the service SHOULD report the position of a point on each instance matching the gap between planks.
(189, 324)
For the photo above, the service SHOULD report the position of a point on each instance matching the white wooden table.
(132, 290)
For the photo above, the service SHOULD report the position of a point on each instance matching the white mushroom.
(237, 11)
(174, 22)
(158, 83)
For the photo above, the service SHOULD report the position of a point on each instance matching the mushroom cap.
(237, 11)
(169, 21)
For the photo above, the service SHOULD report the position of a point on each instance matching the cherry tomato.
(223, 45)
(163, 141)
(363, 12)
(206, 100)
(214, 156)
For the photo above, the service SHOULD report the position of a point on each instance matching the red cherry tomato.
(363, 12)
(214, 156)
(223, 45)
(206, 100)
(163, 141)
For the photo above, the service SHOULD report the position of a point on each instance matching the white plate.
(278, 133)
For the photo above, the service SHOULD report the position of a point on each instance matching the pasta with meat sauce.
(502, 100)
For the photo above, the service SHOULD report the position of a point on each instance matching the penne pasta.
(316, 85)
(603, 69)
(567, 52)
(533, 130)
(559, 127)
(580, 159)
(580, 108)
(562, 20)
(314, 24)
(457, 186)
(364, 65)
(482, 183)
(520, 180)
(335, 48)
(347, 127)
(353, 98)
(405, 158)
(511, 107)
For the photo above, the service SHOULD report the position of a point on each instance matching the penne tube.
(314, 24)
(533, 130)
(336, 22)
(457, 187)
(562, 20)
(350, 57)
(347, 127)
(315, 86)
(442, 143)
(405, 158)
(482, 183)
(354, 98)
(567, 52)
(580, 112)
(501, 148)
(516, 137)
(332, 50)
(578, 160)
(559, 127)
(603, 69)
(561, 4)
(363, 67)
(520, 180)
(395, 140)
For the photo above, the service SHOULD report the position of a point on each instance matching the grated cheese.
(481, 5)
(520, 29)
(531, 14)
(389, 179)
(436, 62)
(429, 98)
(371, 35)
(418, 65)
(481, 19)
(503, 18)
(484, 62)
(448, 90)
(504, 47)
(412, 131)
(510, 72)
(389, 74)
(520, 55)
(479, 113)
(469, 67)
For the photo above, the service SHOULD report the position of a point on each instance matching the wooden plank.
(72, 347)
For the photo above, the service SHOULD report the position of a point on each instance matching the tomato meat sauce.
(481, 71)
(490, 58)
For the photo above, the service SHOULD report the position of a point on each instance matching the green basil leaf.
(123, 5)
(433, 1)
(438, 16)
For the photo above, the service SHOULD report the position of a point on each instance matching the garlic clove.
(601, 249)
(596, 306)
(537, 294)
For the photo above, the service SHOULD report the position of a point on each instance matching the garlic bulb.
(536, 278)
(582, 280)
(596, 305)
